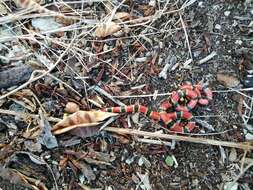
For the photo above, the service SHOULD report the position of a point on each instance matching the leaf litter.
(70, 59)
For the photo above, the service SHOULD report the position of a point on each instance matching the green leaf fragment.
(169, 161)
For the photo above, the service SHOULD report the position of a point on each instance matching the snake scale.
(174, 112)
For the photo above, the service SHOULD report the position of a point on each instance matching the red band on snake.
(182, 94)
(205, 94)
(177, 120)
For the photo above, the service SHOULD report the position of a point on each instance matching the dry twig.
(243, 146)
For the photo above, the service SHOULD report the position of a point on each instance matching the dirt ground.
(222, 30)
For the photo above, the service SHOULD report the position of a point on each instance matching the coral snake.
(175, 111)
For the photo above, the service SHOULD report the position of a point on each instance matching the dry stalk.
(243, 146)
(27, 115)
(240, 175)
(151, 141)
(207, 58)
(145, 133)
(186, 35)
(166, 94)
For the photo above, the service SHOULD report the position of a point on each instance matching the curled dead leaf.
(121, 16)
(228, 80)
(106, 29)
(81, 119)
(85, 168)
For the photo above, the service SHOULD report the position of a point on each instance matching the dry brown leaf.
(240, 103)
(107, 29)
(228, 80)
(121, 16)
(85, 168)
(81, 119)
(72, 127)
(25, 98)
(85, 131)
(123, 139)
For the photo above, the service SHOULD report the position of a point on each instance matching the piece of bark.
(14, 76)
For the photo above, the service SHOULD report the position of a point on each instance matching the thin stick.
(106, 94)
(180, 138)
(145, 133)
(151, 141)
(207, 58)
(186, 35)
(241, 174)
(166, 94)
(27, 115)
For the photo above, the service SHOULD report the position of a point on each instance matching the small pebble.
(71, 107)
(130, 160)
(217, 26)
(238, 42)
(200, 4)
(152, 3)
(227, 13)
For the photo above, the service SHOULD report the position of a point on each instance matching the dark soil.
(212, 26)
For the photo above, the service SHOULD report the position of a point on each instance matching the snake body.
(172, 113)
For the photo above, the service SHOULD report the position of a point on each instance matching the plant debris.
(67, 66)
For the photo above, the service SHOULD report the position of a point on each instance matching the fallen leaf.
(169, 161)
(81, 119)
(240, 106)
(25, 98)
(85, 168)
(45, 24)
(35, 183)
(72, 127)
(13, 177)
(123, 139)
(32, 146)
(107, 29)
(92, 157)
(228, 80)
(29, 166)
(85, 132)
(121, 16)
(147, 10)
(46, 137)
